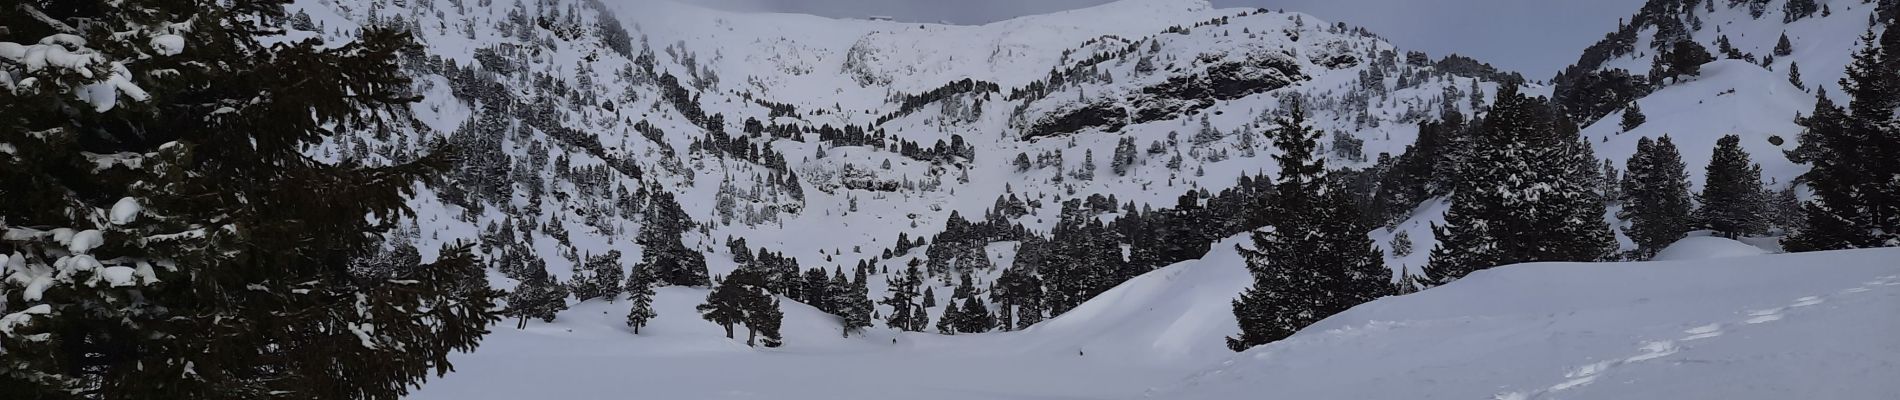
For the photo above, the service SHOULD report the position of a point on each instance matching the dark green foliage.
(1588, 96)
(1854, 155)
(242, 255)
(1794, 76)
(538, 297)
(1686, 58)
(1784, 48)
(1633, 117)
(671, 261)
(742, 298)
(1018, 296)
(906, 314)
(600, 277)
(1656, 193)
(640, 295)
(1315, 259)
(1795, 10)
(1732, 203)
(1526, 193)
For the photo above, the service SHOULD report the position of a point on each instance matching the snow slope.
(1812, 325)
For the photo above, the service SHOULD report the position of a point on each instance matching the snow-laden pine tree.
(1525, 193)
(640, 296)
(165, 236)
(538, 297)
(1656, 196)
(1854, 155)
(671, 262)
(1314, 259)
(905, 314)
(1633, 117)
(1732, 202)
(1124, 156)
(599, 278)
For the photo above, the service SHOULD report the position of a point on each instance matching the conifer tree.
(725, 305)
(1657, 189)
(1784, 48)
(219, 249)
(1731, 193)
(1851, 154)
(851, 302)
(1686, 58)
(905, 314)
(975, 317)
(1315, 259)
(601, 278)
(640, 295)
(763, 318)
(1124, 156)
(1794, 76)
(1524, 194)
(817, 291)
(949, 320)
(539, 297)
(1633, 117)
(670, 261)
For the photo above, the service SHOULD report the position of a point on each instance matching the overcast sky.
(1536, 37)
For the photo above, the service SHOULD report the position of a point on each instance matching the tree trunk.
(750, 336)
(522, 324)
(728, 330)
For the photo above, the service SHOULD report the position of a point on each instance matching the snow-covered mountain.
(579, 110)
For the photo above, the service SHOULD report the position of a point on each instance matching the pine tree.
(1793, 11)
(599, 278)
(763, 317)
(1784, 48)
(1124, 156)
(1731, 193)
(975, 317)
(948, 321)
(723, 306)
(214, 252)
(640, 294)
(670, 260)
(1315, 259)
(539, 297)
(1836, 219)
(930, 296)
(1086, 171)
(1794, 76)
(1633, 117)
(1524, 194)
(817, 291)
(1657, 189)
(1686, 58)
(905, 314)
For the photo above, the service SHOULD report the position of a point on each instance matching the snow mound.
(1175, 314)
(1707, 247)
(1761, 327)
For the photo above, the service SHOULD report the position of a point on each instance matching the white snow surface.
(1707, 247)
(1757, 327)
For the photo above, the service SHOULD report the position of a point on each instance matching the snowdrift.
(1813, 325)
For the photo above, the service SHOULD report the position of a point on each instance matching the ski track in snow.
(1656, 349)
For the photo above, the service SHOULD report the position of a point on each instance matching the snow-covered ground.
(1706, 325)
